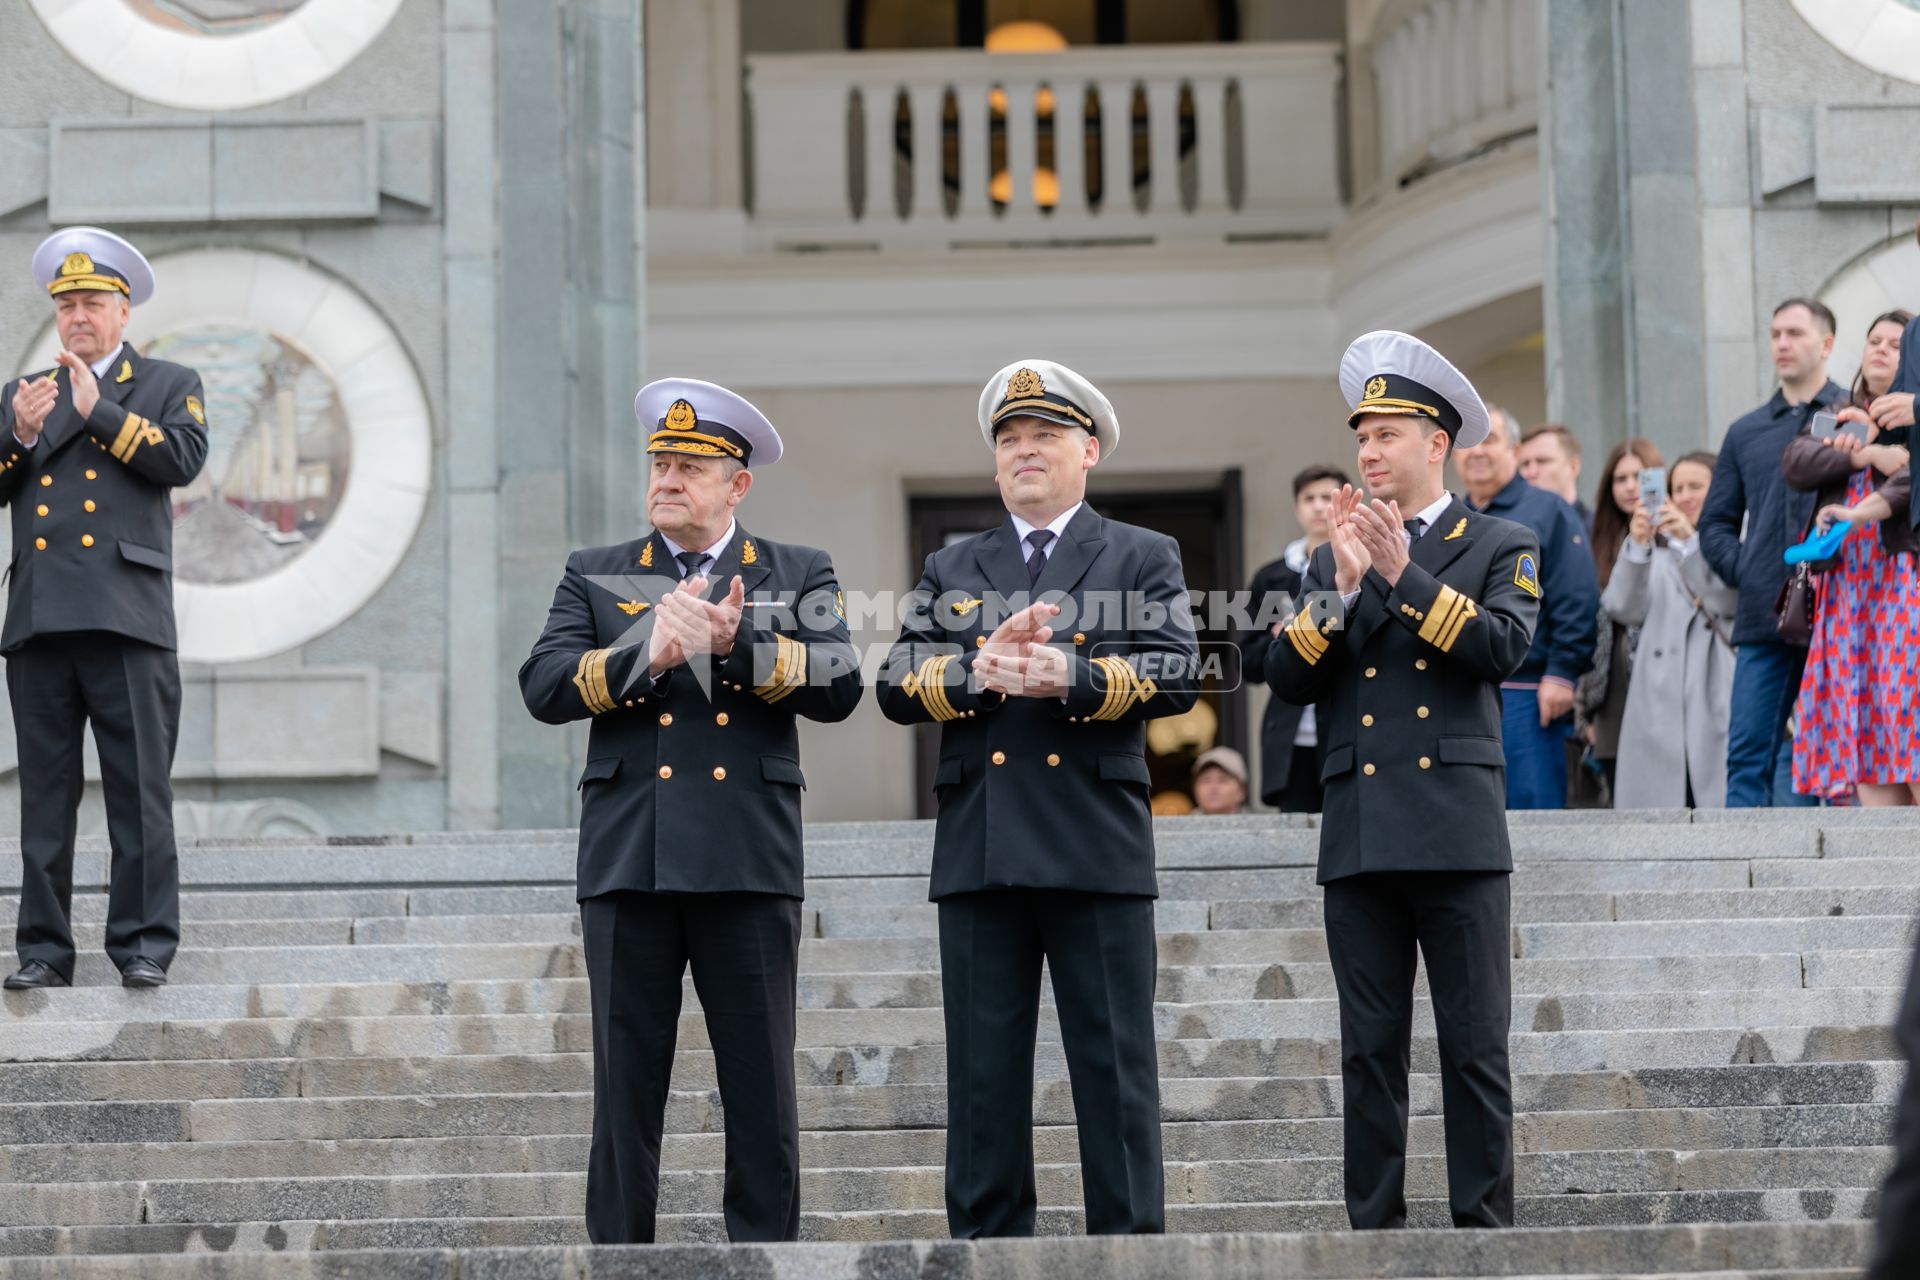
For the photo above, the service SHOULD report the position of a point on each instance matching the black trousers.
(130, 692)
(744, 949)
(1459, 922)
(1304, 792)
(1897, 1252)
(1099, 950)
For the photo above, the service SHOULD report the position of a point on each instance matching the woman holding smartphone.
(1673, 735)
(1862, 684)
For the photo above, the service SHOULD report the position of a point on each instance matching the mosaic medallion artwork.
(214, 17)
(278, 453)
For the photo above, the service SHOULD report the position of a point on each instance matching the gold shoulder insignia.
(1458, 530)
(747, 554)
(1526, 574)
(961, 608)
(194, 408)
(839, 606)
(633, 607)
(646, 556)
(1376, 388)
(126, 375)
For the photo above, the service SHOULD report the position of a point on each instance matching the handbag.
(1794, 609)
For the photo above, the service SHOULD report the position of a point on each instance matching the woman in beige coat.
(1673, 738)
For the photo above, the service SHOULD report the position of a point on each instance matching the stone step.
(900, 1106)
(1713, 937)
(915, 1188)
(1805, 1210)
(1685, 1129)
(1646, 991)
(285, 1251)
(213, 921)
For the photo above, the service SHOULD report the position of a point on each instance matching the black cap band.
(1392, 394)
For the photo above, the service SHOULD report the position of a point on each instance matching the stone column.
(1649, 275)
(570, 280)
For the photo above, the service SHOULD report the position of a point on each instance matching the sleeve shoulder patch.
(193, 407)
(1526, 574)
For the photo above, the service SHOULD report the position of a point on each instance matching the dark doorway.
(1206, 522)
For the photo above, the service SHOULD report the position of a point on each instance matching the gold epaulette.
(1124, 688)
(789, 670)
(929, 684)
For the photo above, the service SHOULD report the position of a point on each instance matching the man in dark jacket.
(1537, 699)
(90, 452)
(690, 852)
(1750, 491)
(1290, 754)
(1043, 851)
(1409, 620)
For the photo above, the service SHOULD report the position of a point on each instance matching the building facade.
(423, 252)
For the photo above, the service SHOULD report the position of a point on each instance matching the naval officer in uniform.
(694, 651)
(1043, 852)
(1409, 619)
(89, 452)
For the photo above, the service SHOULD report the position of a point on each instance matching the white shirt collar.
(674, 549)
(1432, 514)
(105, 362)
(1058, 526)
(1297, 555)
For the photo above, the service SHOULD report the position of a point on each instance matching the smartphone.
(1825, 425)
(1653, 492)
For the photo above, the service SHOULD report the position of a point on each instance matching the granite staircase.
(374, 1060)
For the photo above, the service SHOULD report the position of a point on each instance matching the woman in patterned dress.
(1861, 689)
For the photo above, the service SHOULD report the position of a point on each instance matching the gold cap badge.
(77, 264)
(1376, 388)
(1023, 384)
(681, 417)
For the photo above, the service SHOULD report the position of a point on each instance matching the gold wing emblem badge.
(633, 607)
(961, 608)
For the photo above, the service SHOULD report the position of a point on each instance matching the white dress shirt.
(1057, 526)
(713, 552)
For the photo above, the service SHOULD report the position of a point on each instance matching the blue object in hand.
(1820, 546)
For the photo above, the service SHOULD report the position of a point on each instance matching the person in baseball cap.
(1220, 781)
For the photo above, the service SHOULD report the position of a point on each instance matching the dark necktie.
(1037, 559)
(691, 562)
(1416, 527)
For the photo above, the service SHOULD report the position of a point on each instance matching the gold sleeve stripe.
(1440, 616)
(136, 432)
(928, 684)
(789, 670)
(122, 443)
(1307, 639)
(1124, 688)
(590, 678)
(1467, 611)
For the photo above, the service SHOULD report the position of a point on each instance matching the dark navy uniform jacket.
(1408, 683)
(689, 790)
(92, 508)
(1039, 792)
(1563, 642)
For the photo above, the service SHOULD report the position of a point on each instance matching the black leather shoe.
(34, 975)
(142, 972)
